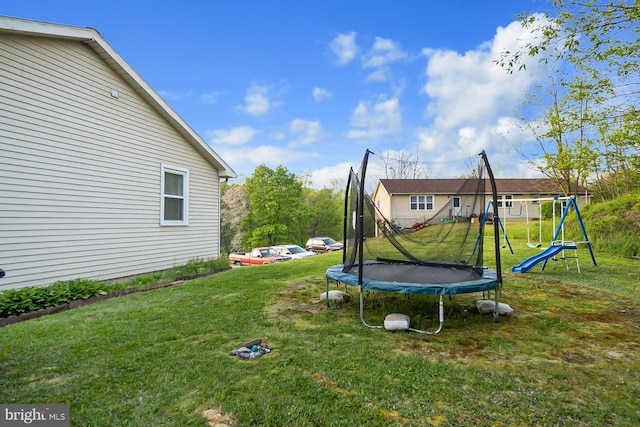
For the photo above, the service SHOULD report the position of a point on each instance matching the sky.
(310, 85)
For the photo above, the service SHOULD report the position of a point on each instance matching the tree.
(591, 124)
(561, 128)
(274, 203)
(403, 166)
(325, 211)
(233, 208)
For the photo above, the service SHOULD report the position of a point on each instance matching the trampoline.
(368, 234)
(409, 278)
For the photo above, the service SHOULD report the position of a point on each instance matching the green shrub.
(17, 301)
(547, 210)
(199, 266)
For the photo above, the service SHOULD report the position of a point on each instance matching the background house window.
(504, 201)
(174, 200)
(421, 203)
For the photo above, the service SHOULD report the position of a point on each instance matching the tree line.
(276, 207)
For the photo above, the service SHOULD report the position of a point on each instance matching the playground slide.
(551, 251)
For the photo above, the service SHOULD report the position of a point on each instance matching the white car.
(293, 251)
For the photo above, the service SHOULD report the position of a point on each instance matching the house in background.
(412, 201)
(99, 177)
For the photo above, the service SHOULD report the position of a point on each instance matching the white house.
(411, 201)
(99, 177)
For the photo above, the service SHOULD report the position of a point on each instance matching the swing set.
(507, 205)
(558, 244)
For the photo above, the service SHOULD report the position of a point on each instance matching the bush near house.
(17, 301)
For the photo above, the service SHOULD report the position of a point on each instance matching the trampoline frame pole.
(496, 233)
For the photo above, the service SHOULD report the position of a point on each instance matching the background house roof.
(452, 186)
(95, 41)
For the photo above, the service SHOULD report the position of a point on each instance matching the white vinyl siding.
(80, 188)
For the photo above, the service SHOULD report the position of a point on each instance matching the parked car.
(257, 256)
(293, 251)
(322, 244)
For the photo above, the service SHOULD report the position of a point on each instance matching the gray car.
(322, 244)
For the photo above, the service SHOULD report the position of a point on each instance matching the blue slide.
(551, 251)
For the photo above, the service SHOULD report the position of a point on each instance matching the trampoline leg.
(362, 312)
(496, 310)
(327, 293)
(440, 316)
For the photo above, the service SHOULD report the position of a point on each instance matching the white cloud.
(238, 135)
(331, 176)
(269, 155)
(257, 101)
(210, 98)
(380, 75)
(175, 96)
(320, 94)
(383, 52)
(471, 101)
(305, 132)
(470, 87)
(344, 47)
(380, 119)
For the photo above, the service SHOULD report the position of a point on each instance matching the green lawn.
(570, 356)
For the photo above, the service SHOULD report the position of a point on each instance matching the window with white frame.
(421, 203)
(174, 197)
(505, 201)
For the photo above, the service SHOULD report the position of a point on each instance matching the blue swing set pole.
(571, 201)
(504, 233)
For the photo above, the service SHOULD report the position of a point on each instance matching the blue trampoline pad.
(409, 278)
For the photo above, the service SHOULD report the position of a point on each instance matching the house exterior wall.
(382, 201)
(80, 178)
(401, 213)
(397, 207)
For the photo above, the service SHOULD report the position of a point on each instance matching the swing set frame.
(566, 203)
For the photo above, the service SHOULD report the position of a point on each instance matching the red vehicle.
(257, 256)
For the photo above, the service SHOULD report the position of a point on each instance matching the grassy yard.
(570, 355)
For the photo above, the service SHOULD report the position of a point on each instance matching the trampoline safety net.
(435, 221)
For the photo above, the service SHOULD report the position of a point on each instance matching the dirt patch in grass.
(555, 321)
(217, 418)
(299, 297)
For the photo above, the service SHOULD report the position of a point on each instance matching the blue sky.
(311, 84)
